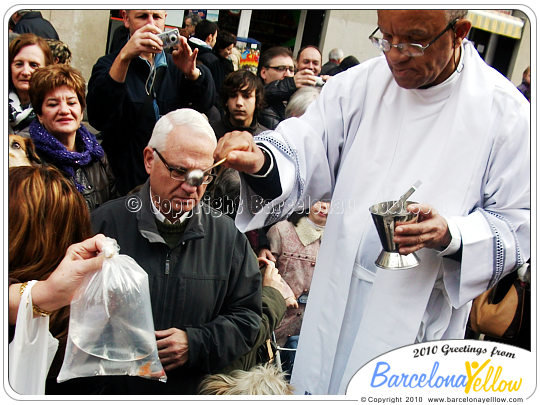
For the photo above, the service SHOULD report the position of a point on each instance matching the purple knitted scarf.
(53, 151)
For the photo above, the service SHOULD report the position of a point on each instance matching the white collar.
(307, 231)
(160, 217)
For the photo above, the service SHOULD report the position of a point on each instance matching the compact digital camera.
(319, 82)
(169, 38)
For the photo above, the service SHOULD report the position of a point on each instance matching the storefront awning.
(496, 22)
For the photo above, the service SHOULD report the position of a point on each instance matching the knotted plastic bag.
(111, 329)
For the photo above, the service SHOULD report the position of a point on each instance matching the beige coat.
(295, 263)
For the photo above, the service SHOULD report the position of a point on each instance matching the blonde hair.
(263, 379)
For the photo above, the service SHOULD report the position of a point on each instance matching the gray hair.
(453, 14)
(178, 118)
(336, 54)
(194, 17)
(300, 101)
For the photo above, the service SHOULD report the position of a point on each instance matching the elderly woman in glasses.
(57, 93)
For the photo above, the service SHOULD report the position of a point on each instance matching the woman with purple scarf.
(57, 93)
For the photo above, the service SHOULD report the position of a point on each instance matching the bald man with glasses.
(429, 109)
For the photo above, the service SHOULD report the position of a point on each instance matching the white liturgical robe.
(367, 140)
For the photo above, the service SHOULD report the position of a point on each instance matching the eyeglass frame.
(181, 171)
(281, 68)
(419, 47)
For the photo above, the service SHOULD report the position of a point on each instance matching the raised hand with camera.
(185, 59)
(305, 77)
(145, 26)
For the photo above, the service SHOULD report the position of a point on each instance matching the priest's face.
(420, 27)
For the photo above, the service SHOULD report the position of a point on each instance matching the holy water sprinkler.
(195, 177)
(398, 205)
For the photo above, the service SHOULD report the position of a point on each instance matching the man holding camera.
(276, 69)
(131, 88)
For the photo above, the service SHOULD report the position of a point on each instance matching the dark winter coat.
(209, 285)
(125, 114)
(35, 23)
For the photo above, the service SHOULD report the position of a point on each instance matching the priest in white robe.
(428, 109)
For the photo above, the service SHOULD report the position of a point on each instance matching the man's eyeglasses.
(407, 48)
(180, 174)
(282, 68)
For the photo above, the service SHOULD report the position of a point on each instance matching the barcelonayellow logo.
(452, 367)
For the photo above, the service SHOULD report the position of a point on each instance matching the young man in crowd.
(242, 97)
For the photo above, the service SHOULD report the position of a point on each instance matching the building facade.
(502, 37)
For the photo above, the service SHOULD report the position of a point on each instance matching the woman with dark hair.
(57, 93)
(27, 52)
(46, 216)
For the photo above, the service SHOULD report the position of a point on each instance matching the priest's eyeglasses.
(407, 48)
(180, 174)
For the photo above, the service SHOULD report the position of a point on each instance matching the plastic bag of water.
(111, 330)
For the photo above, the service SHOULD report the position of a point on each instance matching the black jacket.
(124, 113)
(276, 95)
(208, 285)
(223, 126)
(274, 308)
(208, 58)
(327, 67)
(219, 68)
(96, 178)
(35, 23)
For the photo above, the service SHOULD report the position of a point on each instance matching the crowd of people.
(243, 257)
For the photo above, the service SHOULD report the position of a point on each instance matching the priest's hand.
(173, 349)
(431, 231)
(241, 151)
